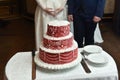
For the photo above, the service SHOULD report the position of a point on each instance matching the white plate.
(97, 59)
(92, 49)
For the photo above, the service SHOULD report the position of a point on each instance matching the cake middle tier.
(58, 43)
(59, 56)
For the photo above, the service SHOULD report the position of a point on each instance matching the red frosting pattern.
(58, 44)
(60, 31)
(58, 58)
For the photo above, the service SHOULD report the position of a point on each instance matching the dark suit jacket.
(86, 8)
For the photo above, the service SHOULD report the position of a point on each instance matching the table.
(19, 67)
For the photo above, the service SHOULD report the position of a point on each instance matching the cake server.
(84, 65)
(33, 66)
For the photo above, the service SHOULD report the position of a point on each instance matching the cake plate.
(42, 64)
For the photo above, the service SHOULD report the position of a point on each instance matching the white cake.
(58, 50)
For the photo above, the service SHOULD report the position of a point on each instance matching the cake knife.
(33, 66)
(84, 65)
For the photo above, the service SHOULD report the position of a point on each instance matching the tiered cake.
(58, 50)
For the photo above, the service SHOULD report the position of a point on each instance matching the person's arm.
(42, 4)
(100, 8)
(58, 10)
(70, 9)
(99, 11)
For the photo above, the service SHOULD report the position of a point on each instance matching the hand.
(58, 10)
(96, 19)
(50, 11)
(70, 17)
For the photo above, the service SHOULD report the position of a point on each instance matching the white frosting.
(58, 23)
(74, 46)
(58, 38)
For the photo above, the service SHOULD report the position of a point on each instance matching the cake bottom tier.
(42, 64)
(59, 58)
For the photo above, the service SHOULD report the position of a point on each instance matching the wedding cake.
(58, 49)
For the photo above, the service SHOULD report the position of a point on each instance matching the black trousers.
(84, 31)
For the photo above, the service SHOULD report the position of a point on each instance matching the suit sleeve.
(100, 8)
(70, 4)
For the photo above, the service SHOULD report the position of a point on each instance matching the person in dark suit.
(85, 14)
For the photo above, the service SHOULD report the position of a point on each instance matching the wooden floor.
(18, 36)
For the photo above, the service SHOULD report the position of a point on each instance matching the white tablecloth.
(19, 67)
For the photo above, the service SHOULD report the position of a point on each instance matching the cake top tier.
(58, 28)
(58, 23)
